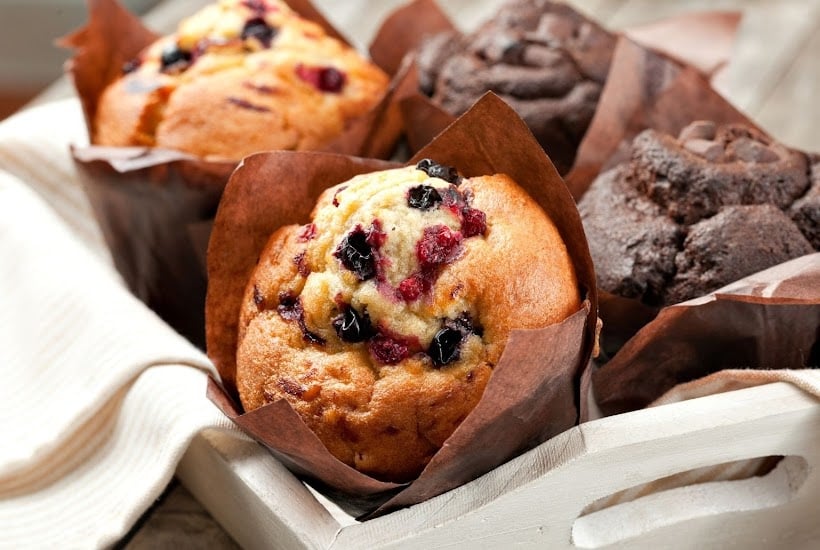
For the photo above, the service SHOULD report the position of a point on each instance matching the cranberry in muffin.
(239, 77)
(380, 321)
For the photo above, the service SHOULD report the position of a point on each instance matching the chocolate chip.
(700, 129)
(710, 150)
(435, 170)
(749, 150)
(423, 197)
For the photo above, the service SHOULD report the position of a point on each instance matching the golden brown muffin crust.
(382, 412)
(249, 76)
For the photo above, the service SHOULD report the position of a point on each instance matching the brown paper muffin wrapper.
(148, 199)
(153, 207)
(702, 40)
(644, 89)
(769, 320)
(535, 391)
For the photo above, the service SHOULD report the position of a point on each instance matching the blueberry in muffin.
(380, 320)
(237, 77)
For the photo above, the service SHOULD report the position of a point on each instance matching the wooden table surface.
(774, 77)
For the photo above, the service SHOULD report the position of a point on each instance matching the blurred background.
(29, 61)
(774, 75)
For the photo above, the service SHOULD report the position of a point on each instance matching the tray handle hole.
(737, 486)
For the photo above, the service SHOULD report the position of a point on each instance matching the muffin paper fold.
(536, 391)
(769, 320)
(155, 205)
(644, 89)
(702, 40)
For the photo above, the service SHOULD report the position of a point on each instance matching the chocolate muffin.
(543, 58)
(237, 77)
(380, 322)
(688, 215)
(805, 211)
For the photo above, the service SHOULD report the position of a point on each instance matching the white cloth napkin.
(99, 398)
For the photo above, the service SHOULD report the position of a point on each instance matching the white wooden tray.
(537, 499)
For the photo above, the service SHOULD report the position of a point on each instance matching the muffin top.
(546, 60)
(239, 76)
(381, 320)
(687, 215)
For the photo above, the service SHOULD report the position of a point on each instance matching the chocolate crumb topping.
(687, 215)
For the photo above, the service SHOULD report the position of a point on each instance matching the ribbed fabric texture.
(99, 398)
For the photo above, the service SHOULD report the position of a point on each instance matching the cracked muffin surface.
(687, 215)
(381, 320)
(239, 76)
(546, 60)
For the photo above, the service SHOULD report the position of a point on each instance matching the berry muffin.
(688, 215)
(545, 59)
(237, 77)
(380, 321)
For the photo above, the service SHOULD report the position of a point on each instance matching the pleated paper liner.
(644, 90)
(703, 40)
(769, 320)
(535, 391)
(155, 206)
